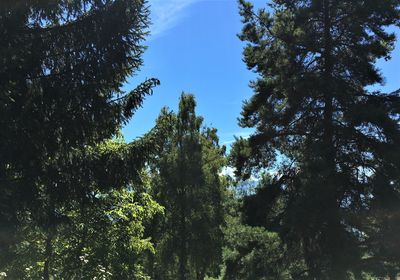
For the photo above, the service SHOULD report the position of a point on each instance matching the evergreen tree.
(187, 183)
(250, 252)
(333, 143)
(62, 64)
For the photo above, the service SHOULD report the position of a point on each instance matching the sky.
(194, 48)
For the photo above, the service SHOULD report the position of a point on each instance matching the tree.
(250, 252)
(101, 233)
(187, 183)
(319, 128)
(62, 66)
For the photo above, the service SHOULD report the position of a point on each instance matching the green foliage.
(187, 183)
(77, 202)
(62, 66)
(332, 143)
(103, 233)
(252, 252)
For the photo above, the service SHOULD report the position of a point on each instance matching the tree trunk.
(336, 269)
(182, 253)
(48, 255)
(182, 222)
(50, 233)
(328, 96)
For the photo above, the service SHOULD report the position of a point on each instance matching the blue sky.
(194, 48)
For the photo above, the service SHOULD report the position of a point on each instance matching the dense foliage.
(62, 65)
(316, 194)
(187, 183)
(331, 142)
(100, 235)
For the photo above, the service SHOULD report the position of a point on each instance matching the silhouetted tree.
(62, 64)
(187, 183)
(333, 143)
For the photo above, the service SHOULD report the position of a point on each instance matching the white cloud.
(165, 14)
(232, 136)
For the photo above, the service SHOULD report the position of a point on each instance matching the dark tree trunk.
(182, 249)
(50, 233)
(328, 95)
(335, 271)
(182, 222)
(48, 255)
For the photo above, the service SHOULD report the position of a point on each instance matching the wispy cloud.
(230, 137)
(165, 14)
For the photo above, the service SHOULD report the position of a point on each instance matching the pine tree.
(187, 184)
(328, 137)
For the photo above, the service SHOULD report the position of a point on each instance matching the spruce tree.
(331, 141)
(62, 66)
